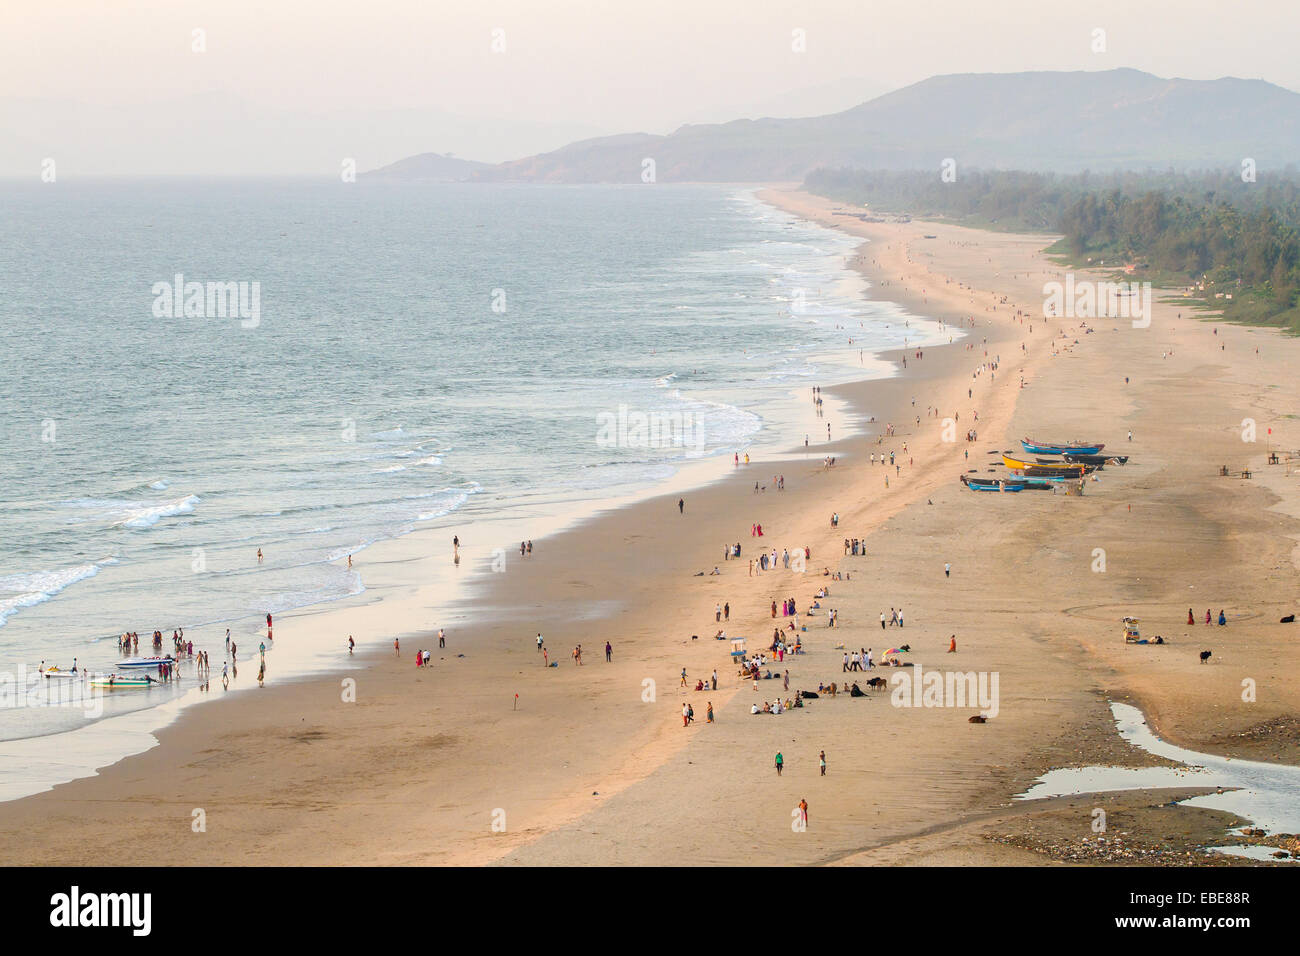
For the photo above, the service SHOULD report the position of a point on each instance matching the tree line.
(1236, 243)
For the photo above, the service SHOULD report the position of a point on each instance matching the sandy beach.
(490, 757)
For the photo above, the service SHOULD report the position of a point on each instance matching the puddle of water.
(1262, 853)
(1267, 794)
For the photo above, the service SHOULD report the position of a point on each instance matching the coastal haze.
(298, 87)
(688, 382)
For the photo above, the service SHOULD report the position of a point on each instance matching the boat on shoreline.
(1060, 448)
(122, 682)
(146, 661)
(1098, 460)
(51, 673)
(1074, 470)
(1005, 484)
(994, 486)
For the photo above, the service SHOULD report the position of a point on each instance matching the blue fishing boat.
(1060, 448)
(993, 484)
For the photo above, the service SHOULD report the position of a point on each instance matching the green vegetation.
(1235, 244)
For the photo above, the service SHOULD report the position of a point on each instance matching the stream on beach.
(1268, 794)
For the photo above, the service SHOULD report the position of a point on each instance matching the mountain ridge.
(1036, 120)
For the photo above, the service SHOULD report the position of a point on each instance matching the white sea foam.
(146, 516)
(124, 513)
(37, 587)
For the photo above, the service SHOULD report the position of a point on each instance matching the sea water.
(419, 352)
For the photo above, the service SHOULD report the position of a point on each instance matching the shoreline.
(404, 560)
(476, 755)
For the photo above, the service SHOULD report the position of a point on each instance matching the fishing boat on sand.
(1060, 448)
(1037, 484)
(993, 484)
(1017, 464)
(1039, 471)
(1004, 486)
(1097, 460)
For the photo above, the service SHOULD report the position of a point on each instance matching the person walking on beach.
(259, 555)
(952, 644)
(686, 713)
(780, 763)
(709, 713)
(715, 678)
(545, 658)
(261, 673)
(351, 644)
(225, 676)
(1189, 614)
(539, 640)
(681, 506)
(717, 613)
(609, 652)
(823, 762)
(882, 620)
(726, 611)
(397, 647)
(442, 638)
(803, 804)
(947, 570)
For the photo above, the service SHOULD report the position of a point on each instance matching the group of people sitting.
(779, 707)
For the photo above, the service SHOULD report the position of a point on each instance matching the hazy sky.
(405, 76)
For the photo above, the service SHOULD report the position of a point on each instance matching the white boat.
(145, 661)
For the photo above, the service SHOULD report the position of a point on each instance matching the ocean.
(406, 354)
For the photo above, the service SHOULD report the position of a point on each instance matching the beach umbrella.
(894, 650)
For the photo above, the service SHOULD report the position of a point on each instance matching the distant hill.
(1047, 121)
(429, 168)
